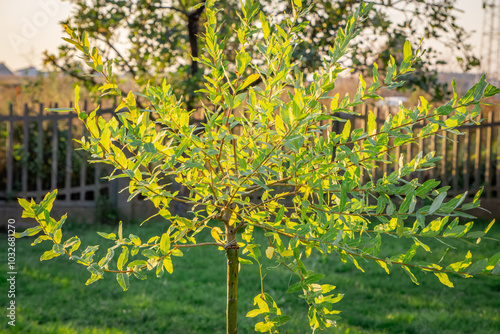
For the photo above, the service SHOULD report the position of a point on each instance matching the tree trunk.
(232, 290)
(232, 280)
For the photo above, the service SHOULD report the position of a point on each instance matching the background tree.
(155, 39)
(313, 195)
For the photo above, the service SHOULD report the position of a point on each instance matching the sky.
(29, 27)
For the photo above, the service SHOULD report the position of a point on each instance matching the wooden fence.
(33, 162)
(38, 154)
(470, 161)
(29, 181)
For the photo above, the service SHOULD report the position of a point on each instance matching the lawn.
(51, 296)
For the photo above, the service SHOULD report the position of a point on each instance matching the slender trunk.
(232, 280)
(232, 290)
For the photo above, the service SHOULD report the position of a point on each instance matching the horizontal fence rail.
(38, 154)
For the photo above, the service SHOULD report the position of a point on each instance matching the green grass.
(51, 296)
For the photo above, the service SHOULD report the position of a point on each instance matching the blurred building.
(4, 70)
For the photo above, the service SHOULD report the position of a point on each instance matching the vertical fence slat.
(422, 149)
(466, 159)
(489, 145)
(69, 152)
(97, 181)
(97, 176)
(364, 126)
(444, 154)
(498, 163)
(374, 168)
(55, 142)
(39, 152)
(409, 155)
(397, 155)
(83, 164)
(10, 151)
(24, 168)
(454, 166)
(432, 148)
(477, 161)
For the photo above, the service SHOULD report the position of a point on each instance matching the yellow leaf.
(384, 265)
(287, 253)
(251, 78)
(269, 252)
(264, 326)
(346, 132)
(216, 233)
(165, 243)
(443, 278)
(167, 263)
(280, 126)
(335, 103)
(120, 157)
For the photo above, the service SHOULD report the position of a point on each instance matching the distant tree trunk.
(193, 30)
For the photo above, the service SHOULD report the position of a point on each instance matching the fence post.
(39, 155)
(454, 166)
(55, 142)
(466, 159)
(477, 163)
(498, 164)
(444, 160)
(24, 168)
(10, 151)
(489, 144)
(83, 164)
(69, 152)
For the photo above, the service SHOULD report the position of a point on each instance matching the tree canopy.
(155, 39)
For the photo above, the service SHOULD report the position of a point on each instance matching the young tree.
(313, 195)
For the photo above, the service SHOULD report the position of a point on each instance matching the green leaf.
(49, 255)
(265, 25)
(437, 202)
(480, 87)
(491, 91)
(29, 232)
(165, 243)
(313, 278)
(477, 267)
(123, 280)
(295, 287)
(95, 269)
(280, 126)
(281, 320)
(123, 258)
(280, 215)
(149, 148)
(110, 236)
